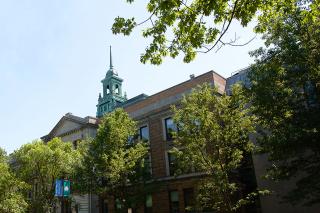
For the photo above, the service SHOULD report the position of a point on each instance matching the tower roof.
(111, 70)
(111, 66)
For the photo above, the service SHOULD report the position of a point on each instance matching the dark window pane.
(174, 201)
(148, 204)
(144, 133)
(188, 196)
(171, 127)
(172, 164)
(148, 165)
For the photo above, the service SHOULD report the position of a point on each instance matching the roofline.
(238, 71)
(206, 73)
(69, 116)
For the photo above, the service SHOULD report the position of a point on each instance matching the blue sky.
(53, 55)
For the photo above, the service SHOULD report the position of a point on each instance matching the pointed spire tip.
(111, 66)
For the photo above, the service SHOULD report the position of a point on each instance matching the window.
(148, 204)
(172, 164)
(188, 196)
(144, 133)
(170, 128)
(108, 89)
(174, 201)
(116, 90)
(148, 165)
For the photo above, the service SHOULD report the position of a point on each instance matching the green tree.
(113, 163)
(285, 95)
(213, 137)
(11, 189)
(196, 25)
(39, 165)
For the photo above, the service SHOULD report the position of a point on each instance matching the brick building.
(154, 117)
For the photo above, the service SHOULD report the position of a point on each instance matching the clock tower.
(112, 91)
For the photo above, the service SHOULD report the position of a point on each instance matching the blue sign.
(59, 188)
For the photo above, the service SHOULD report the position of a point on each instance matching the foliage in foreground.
(189, 27)
(285, 95)
(39, 164)
(213, 138)
(11, 189)
(113, 164)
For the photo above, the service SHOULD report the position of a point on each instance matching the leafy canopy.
(193, 26)
(39, 165)
(113, 162)
(213, 138)
(11, 189)
(285, 95)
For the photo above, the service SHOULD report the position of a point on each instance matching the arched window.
(116, 90)
(108, 89)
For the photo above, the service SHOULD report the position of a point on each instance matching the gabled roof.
(75, 119)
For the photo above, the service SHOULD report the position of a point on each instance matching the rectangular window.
(170, 128)
(172, 164)
(174, 202)
(188, 196)
(148, 204)
(148, 165)
(144, 133)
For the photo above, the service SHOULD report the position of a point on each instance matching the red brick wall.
(209, 77)
(158, 144)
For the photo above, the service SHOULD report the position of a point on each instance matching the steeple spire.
(111, 66)
(111, 96)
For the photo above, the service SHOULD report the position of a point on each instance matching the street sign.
(59, 188)
(66, 188)
(62, 188)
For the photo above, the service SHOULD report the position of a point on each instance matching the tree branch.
(148, 19)
(226, 29)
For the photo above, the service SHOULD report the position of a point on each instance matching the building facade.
(73, 129)
(271, 203)
(154, 117)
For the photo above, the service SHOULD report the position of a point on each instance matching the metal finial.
(111, 66)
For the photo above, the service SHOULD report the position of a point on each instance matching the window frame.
(191, 193)
(177, 203)
(147, 208)
(140, 135)
(167, 136)
(170, 173)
